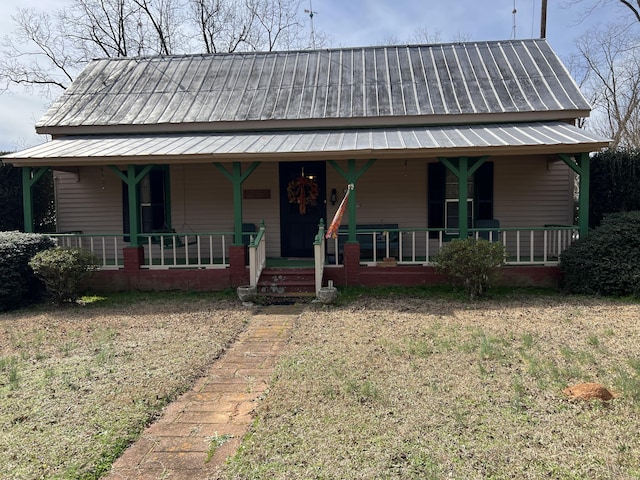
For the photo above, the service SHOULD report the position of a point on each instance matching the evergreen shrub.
(18, 284)
(474, 264)
(607, 260)
(64, 271)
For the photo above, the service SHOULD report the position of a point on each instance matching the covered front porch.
(220, 225)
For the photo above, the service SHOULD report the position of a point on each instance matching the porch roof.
(319, 144)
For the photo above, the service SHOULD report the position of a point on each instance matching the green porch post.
(582, 166)
(132, 180)
(29, 179)
(351, 176)
(463, 169)
(237, 178)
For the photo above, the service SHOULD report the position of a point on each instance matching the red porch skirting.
(520, 276)
(222, 279)
(162, 280)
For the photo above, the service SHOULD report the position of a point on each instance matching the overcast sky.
(354, 23)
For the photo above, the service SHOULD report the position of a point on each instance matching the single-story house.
(220, 170)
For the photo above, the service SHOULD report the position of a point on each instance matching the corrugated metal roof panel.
(378, 142)
(517, 76)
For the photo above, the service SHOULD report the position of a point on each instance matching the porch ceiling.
(390, 142)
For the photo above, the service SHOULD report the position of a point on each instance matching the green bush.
(19, 286)
(64, 271)
(615, 175)
(607, 261)
(474, 264)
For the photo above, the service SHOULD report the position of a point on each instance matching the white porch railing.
(257, 256)
(418, 246)
(107, 247)
(319, 254)
(186, 250)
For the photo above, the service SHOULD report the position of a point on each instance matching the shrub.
(64, 271)
(19, 286)
(475, 264)
(607, 261)
(615, 175)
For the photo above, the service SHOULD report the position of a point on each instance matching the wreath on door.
(302, 191)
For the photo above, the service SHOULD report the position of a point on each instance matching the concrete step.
(283, 282)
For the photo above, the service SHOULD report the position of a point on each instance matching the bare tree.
(47, 50)
(610, 63)
(278, 24)
(48, 61)
(634, 8)
(163, 20)
(259, 25)
(424, 35)
(223, 25)
(592, 5)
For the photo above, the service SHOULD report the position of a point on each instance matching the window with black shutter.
(153, 202)
(443, 197)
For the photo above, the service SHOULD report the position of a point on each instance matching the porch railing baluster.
(542, 245)
(531, 246)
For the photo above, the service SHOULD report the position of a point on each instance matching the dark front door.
(302, 205)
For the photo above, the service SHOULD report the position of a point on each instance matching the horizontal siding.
(202, 200)
(90, 201)
(254, 211)
(529, 192)
(532, 192)
(391, 191)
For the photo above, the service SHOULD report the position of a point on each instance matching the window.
(452, 193)
(443, 193)
(153, 202)
(451, 219)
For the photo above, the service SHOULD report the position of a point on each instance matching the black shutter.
(126, 228)
(483, 188)
(436, 196)
(157, 199)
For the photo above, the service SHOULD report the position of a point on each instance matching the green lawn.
(433, 387)
(79, 383)
(415, 385)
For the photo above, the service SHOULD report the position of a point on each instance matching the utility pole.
(543, 20)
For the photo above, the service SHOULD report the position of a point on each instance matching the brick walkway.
(219, 406)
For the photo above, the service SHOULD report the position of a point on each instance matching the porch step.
(287, 282)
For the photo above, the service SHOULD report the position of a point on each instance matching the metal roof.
(431, 83)
(402, 142)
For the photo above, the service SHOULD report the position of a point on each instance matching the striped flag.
(332, 231)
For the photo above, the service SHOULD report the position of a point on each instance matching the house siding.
(89, 201)
(528, 192)
(391, 191)
(533, 192)
(257, 210)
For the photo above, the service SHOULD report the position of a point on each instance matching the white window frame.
(453, 203)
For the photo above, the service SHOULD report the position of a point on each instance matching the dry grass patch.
(78, 384)
(435, 388)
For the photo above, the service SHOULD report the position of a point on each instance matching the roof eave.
(320, 123)
(325, 155)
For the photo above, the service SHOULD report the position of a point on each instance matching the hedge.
(19, 286)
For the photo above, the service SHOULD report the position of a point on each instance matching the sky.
(354, 23)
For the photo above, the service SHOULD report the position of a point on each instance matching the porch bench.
(167, 241)
(366, 240)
